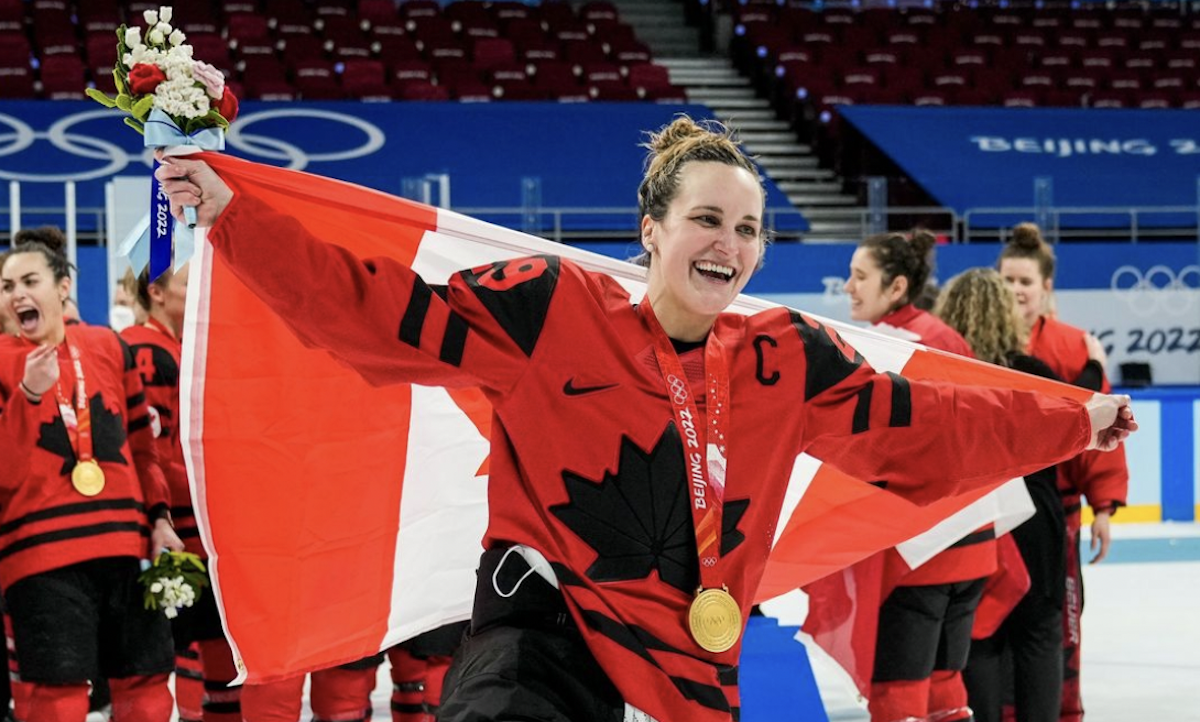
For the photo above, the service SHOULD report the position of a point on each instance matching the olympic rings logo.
(1160, 289)
(109, 158)
(679, 390)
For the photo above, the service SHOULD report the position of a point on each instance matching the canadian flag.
(342, 518)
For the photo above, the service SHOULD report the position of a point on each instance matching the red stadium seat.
(316, 80)
(490, 52)
(364, 79)
(412, 9)
(407, 71)
(243, 28)
(421, 90)
(63, 77)
(377, 12)
(930, 97)
(16, 82)
(598, 10)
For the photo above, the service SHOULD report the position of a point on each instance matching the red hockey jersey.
(156, 358)
(1103, 477)
(44, 522)
(587, 465)
(973, 556)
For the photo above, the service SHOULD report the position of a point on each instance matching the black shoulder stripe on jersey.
(139, 423)
(414, 314)
(454, 340)
(727, 676)
(517, 293)
(827, 365)
(413, 323)
(901, 401)
(127, 354)
(705, 695)
(182, 512)
(564, 575)
(82, 507)
(977, 537)
(188, 532)
(639, 641)
(78, 532)
(440, 290)
(862, 410)
(135, 400)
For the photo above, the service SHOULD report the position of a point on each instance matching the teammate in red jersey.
(633, 491)
(81, 491)
(1030, 636)
(204, 662)
(925, 620)
(1027, 265)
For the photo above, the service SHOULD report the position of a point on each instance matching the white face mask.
(120, 318)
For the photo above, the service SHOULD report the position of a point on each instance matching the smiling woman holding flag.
(639, 452)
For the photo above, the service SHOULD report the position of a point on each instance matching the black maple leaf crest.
(108, 436)
(639, 519)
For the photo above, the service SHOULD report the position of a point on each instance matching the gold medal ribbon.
(715, 619)
(87, 477)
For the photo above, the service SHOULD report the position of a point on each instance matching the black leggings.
(923, 628)
(1032, 635)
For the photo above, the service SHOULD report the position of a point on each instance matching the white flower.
(156, 588)
(133, 36)
(164, 28)
(165, 13)
(151, 17)
(171, 612)
(177, 38)
(154, 37)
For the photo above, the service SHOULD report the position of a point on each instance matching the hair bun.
(51, 237)
(1027, 236)
(922, 242)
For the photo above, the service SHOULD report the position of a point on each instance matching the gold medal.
(715, 620)
(88, 478)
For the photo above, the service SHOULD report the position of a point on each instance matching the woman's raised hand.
(193, 183)
(41, 369)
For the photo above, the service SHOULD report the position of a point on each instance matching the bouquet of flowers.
(181, 105)
(173, 581)
(157, 72)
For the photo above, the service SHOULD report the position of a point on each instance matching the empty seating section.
(468, 50)
(1019, 56)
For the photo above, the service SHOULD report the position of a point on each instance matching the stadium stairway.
(713, 81)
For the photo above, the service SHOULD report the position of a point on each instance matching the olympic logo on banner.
(297, 159)
(679, 391)
(112, 157)
(1158, 289)
(106, 158)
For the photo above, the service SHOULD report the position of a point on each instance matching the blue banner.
(970, 158)
(587, 155)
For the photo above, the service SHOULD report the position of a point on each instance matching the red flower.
(144, 78)
(227, 106)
